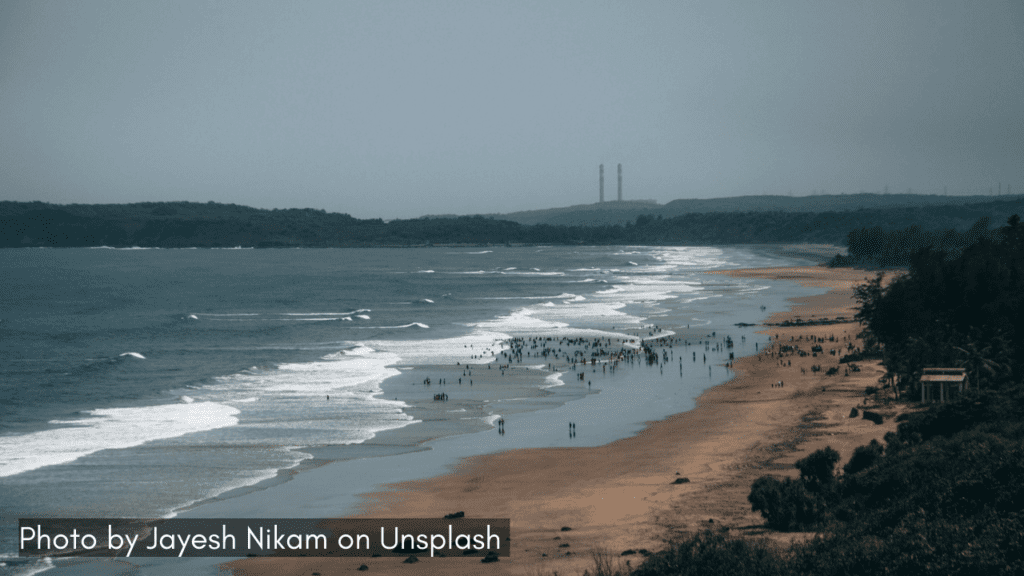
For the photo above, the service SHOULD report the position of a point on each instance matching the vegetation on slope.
(944, 494)
(190, 224)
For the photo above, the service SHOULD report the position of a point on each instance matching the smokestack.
(601, 185)
(620, 182)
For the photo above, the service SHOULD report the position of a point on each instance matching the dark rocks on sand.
(566, 528)
(492, 556)
(453, 515)
(411, 560)
(854, 413)
(682, 480)
(363, 567)
(873, 416)
(629, 552)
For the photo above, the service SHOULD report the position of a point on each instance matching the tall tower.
(620, 182)
(601, 173)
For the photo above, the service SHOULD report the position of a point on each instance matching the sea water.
(140, 383)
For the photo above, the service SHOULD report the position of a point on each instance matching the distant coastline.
(213, 225)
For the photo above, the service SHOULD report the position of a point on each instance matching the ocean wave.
(128, 248)
(562, 296)
(478, 347)
(410, 325)
(109, 428)
(553, 380)
(532, 273)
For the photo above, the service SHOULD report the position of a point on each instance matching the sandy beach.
(623, 495)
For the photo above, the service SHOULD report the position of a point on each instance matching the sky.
(396, 109)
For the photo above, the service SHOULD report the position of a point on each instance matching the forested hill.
(602, 213)
(190, 224)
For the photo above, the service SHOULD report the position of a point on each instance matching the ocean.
(150, 383)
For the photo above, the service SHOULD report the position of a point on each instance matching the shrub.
(863, 458)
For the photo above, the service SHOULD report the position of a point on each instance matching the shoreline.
(622, 495)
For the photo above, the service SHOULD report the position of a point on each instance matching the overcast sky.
(396, 109)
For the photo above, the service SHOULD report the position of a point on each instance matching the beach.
(624, 495)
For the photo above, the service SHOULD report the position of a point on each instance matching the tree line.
(192, 224)
(888, 248)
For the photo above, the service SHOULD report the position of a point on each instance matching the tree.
(817, 471)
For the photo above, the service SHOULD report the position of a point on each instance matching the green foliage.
(802, 504)
(863, 458)
(187, 224)
(878, 246)
(965, 311)
(817, 470)
(713, 553)
(786, 504)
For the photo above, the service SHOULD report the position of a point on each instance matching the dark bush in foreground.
(712, 553)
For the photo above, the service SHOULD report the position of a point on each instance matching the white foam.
(426, 272)
(534, 273)
(478, 347)
(45, 563)
(252, 479)
(109, 428)
(320, 313)
(561, 296)
(134, 355)
(553, 380)
(187, 399)
(363, 316)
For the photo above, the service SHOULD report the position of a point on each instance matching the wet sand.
(623, 495)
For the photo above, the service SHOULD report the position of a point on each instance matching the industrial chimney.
(620, 182)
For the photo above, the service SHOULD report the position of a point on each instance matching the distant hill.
(599, 214)
(192, 224)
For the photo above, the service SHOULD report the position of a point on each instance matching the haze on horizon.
(399, 109)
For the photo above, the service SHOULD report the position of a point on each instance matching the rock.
(682, 480)
(873, 416)
(492, 556)
(454, 515)
(410, 560)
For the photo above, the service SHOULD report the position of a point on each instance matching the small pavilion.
(942, 384)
